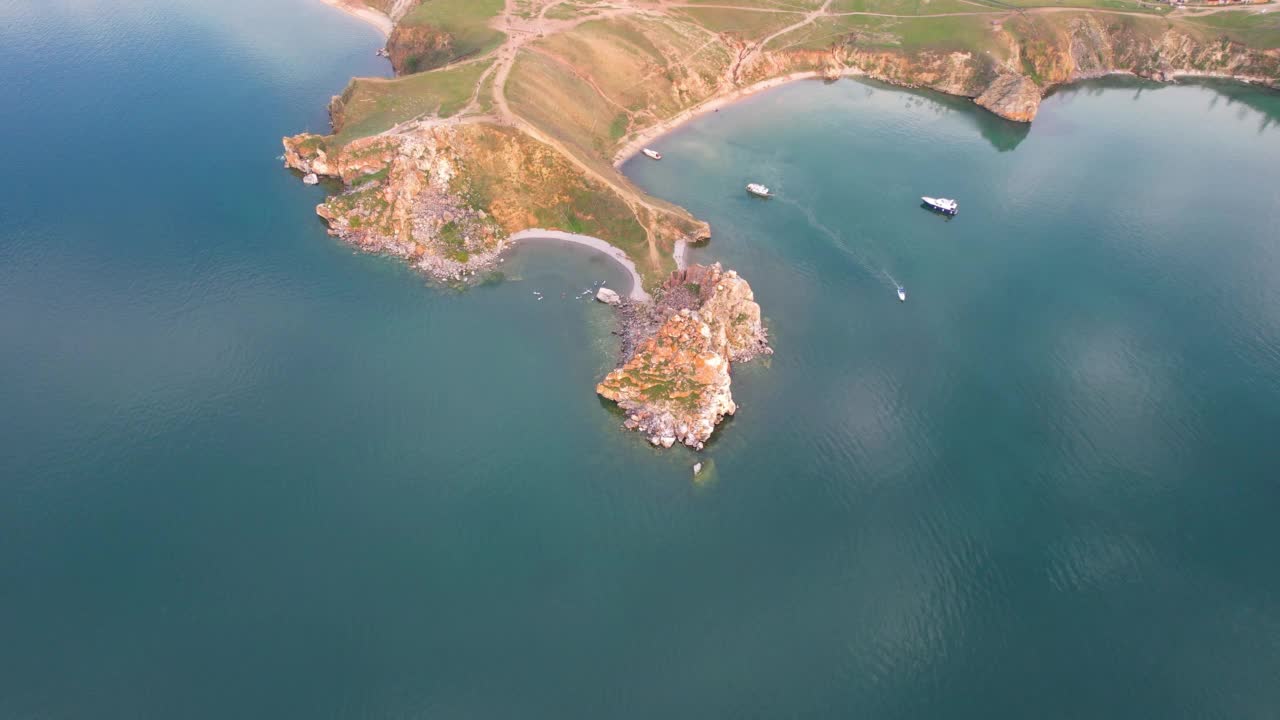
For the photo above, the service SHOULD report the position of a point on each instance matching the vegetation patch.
(372, 105)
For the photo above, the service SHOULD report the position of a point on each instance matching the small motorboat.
(652, 153)
(902, 294)
(946, 206)
(759, 190)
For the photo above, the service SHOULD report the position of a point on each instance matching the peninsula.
(509, 115)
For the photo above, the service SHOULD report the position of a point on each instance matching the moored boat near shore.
(652, 153)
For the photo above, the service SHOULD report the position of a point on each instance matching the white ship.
(902, 294)
(758, 189)
(652, 153)
(946, 206)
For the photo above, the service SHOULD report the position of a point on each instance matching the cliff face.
(1029, 55)
(445, 197)
(416, 48)
(1011, 96)
(1093, 45)
(675, 388)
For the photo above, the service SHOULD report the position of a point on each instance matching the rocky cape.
(673, 383)
(446, 197)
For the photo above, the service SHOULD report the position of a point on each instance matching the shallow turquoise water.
(245, 472)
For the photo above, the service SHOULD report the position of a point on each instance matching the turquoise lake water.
(245, 472)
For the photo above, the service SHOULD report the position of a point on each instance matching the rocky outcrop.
(1012, 96)
(1089, 45)
(675, 388)
(1029, 54)
(446, 196)
(417, 48)
(403, 199)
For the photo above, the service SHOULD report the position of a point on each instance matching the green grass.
(904, 7)
(746, 24)
(372, 177)
(466, 20)
(455, 245)
(549, 96)
(971, 33)
(1125, 5)
(789, 5)
(618, 127)
(370, 106)
(967, 33)
(1255, 29)
(566, 11)
(600, 213)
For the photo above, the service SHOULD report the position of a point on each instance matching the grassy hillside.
(371, 105)
(466, 21)
(1256, 29)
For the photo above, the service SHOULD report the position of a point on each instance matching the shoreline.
(643, 137)
(365, 13)
(637, 291)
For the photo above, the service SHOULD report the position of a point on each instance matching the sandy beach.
(636, 293)
(365, 13)
(642, 139)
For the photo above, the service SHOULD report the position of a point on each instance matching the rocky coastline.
(446, 168)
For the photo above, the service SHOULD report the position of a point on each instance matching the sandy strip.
(642, 139)
(365, 13)
(637, 286)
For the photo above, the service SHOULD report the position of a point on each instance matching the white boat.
(902, 294)
(946, 206)
(758, 189)
(652, 153)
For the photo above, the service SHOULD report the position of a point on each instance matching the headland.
(510, 115)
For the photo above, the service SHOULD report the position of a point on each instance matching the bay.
(246, 472)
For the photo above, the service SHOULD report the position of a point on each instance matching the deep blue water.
(245, 472)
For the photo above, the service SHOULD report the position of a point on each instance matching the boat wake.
(872, 269)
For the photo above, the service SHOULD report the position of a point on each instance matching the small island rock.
(675, 386)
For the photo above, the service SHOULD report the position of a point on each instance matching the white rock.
(697, 468)
(310, 179)
(607, 296)
(668, 441)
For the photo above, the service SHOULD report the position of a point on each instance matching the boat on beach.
(946, 206)
(652, 154)
(902, 294)
(759, 190)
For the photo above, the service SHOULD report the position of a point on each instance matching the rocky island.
(507, 115)
(673, 382)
